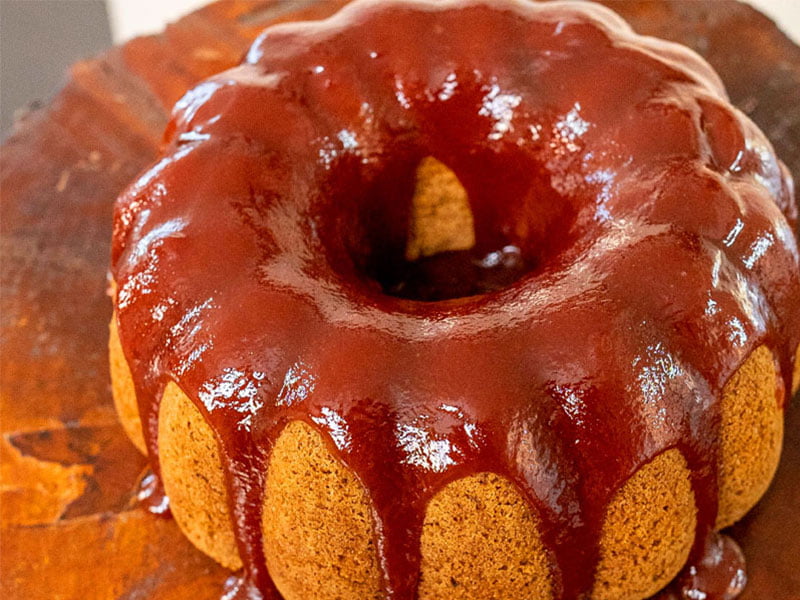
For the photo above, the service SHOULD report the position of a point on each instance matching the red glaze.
(716, 573)
(150, 495)
(653, 225)
(719, 574)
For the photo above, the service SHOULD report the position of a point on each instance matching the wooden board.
(69, 525)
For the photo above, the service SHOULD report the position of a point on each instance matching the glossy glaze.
(653, 221)
(719, 574)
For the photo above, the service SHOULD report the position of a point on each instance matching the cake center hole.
(441, 259)
(429, 228)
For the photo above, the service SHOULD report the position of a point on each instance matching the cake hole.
(430, 229)
(441, 261)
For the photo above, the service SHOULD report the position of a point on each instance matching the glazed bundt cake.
(458, 299)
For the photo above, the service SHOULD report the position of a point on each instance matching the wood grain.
(70, 527)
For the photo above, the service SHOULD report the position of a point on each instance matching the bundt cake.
(459, 299)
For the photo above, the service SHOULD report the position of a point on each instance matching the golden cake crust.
(751, 435)
(191, 471)
(317, 522)
(441, 217)
(648, 530)
(480, 541)
(122, 389)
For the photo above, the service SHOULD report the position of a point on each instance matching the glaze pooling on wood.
(244, 262)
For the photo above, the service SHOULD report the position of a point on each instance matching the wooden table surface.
(69, 525)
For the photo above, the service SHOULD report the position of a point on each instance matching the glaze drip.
(150, 495)
(240, 258)
(718, 573)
